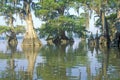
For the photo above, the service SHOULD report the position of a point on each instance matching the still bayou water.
(76, 61)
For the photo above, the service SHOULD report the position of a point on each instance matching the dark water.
(75, 61)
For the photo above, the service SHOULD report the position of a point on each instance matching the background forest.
(59, 39)
(59, 25)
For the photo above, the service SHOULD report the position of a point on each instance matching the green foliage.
(114, 4)
(18, 29)
(98, 23)
(69, 23)
(112, 17)
(4, 29)
(53, 13)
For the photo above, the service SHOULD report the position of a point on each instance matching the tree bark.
(62, 35)
(12, 40)
(30, 37)
(105, 28)
(118, 15)
(118, 21)
(103, 22)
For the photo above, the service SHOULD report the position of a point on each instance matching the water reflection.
(31, 53)
(57, 61)
(61, 62)
(19, 65)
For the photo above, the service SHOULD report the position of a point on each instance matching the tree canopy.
(57, 15)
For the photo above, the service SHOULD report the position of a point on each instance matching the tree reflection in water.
(31, 53)
(61, 62)
(16, 72)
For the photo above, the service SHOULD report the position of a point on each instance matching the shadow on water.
(61, 62)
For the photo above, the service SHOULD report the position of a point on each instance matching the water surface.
(76, 61)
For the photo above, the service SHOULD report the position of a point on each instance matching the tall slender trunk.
(118, 15)
(103, 22)
(105, 28)
(107, 33)
(117, 26)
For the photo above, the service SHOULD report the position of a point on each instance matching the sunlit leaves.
(18, 29)
(53, 13)
(4, 29)
(70, 23)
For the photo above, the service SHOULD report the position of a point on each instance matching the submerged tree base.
(59, 41)
(13, 42)
(12, 39)
(31, 39)
(31, 42)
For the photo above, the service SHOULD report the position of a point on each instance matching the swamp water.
(76, 61)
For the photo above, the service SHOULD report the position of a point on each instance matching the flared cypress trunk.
(30, 37)
(61, 38)
(62, 35)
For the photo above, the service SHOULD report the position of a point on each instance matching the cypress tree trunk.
(107, 33)
(63, 36)
(103, 22)
(118, 30)
(30, 37)
(118, 14)
(105, 29)
(12, 40)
